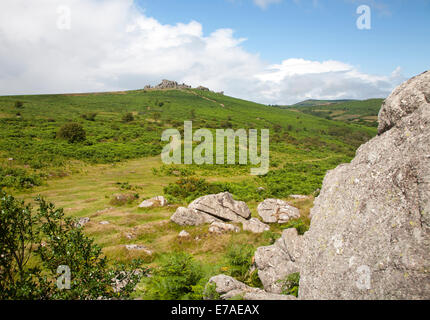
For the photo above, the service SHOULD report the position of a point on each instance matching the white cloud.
(112, 45)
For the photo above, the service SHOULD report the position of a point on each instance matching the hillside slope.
(362, 112)
(302, 146)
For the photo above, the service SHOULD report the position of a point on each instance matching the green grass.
(122, 157)
(360, 112)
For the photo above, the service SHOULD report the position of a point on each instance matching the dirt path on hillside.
(206, 98)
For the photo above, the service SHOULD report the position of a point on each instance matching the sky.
(268, 51)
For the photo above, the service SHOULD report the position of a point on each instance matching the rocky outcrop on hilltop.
(370, 230)
(169, 84)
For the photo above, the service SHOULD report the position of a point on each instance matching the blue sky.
(316, 30)
(268, 51)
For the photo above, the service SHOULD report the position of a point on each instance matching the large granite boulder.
(222, 206)
(255, 226)
(370, 230)
(277, 211)
(276, 262)
(212, 208)
(189, 217)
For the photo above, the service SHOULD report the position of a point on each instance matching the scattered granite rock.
(255, 226)
(277, 211)
(158, 201)
(222, 206)
(82, 222)
(220, 227)
(184, 234)
(189, 217)
(229, 287)
(137, 247)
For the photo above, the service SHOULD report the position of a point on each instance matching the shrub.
(18, 178)
(239, 260)
(210, 292)
(19, 104)
(189, 189)
(128, 117)
(123, 199)
(47, 237)
(72, 132)
(178, 277)
(90, 116)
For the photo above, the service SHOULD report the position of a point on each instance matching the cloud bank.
(113, 45)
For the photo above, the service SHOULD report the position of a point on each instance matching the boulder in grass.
(255, 226)
(82, 222)
(222, 206)
(184, 234)
(277, 211)
(189, 217)
(228, 288)
(137, 247)
(158, 201)
(220, 227)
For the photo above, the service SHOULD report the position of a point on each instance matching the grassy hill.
(121, 155)
(314, 102)
(29, 133)
(361, 112)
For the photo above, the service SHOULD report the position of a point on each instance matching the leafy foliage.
(72, 132)
(189, 189)
(33, 244)
(178, 277)
(19, 104)
(18, 178)
(239, 258)
(128, 117)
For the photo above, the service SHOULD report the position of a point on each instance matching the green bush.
(128, 117)
(89, 116)
(178, 277)
(72, 132)
(210, 292)
(18, 178)
(48, 239)
(189, 189)
(19, 104)
(239, 260)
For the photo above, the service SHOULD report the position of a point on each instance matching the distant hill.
(313, 102)
(351, 111)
